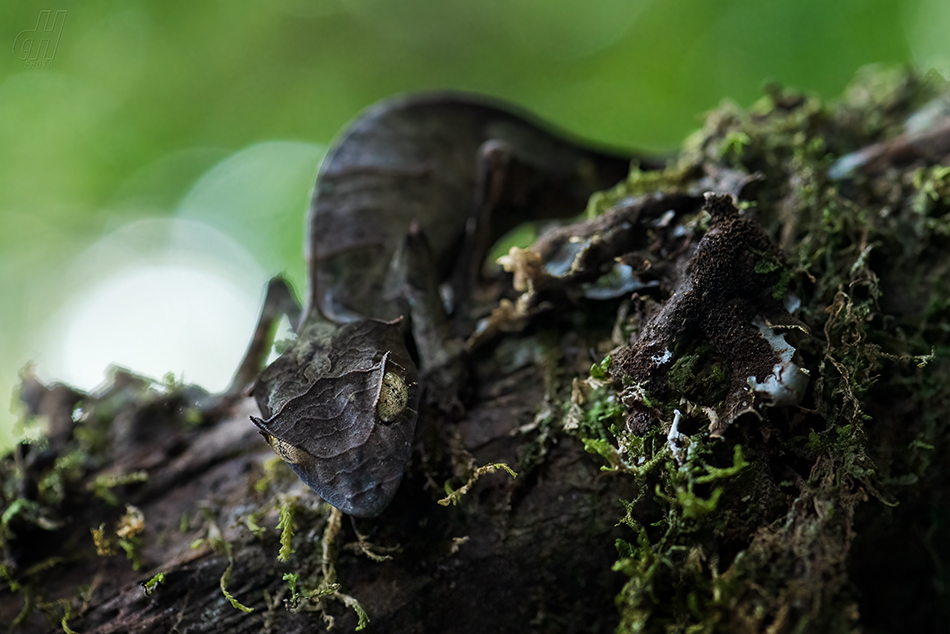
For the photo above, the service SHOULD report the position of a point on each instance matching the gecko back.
(437, 178)
(428, 158)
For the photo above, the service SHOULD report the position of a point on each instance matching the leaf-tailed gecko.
(450, 170)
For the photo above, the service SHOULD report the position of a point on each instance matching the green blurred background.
(156, 158)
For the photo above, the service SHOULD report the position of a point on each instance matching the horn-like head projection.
(340, 409)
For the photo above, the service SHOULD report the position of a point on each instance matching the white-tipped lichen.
(787, 382)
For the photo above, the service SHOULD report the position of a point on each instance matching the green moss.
(7, 577)
(868, 257)
(225, 578)
(681, 376)
(640, 182)
(67, 469)
(933, 188)
(251, 522)
(603, 448)
(453, 496)
(732, 147)
(150, 585)
(102, 486)
(715, 473)
(670, 580)
(286, 527)
(291, 579)
(685, 481)
(132, 548)
(64, 624)
(21, 507)
(698, 375)
(602, 412)
(219, 544)
(601, 371)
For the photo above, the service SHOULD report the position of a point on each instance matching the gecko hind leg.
(514, 186)
(500, 170)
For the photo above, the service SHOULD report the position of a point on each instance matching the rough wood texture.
(535, 553)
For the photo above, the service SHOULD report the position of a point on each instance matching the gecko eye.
(393, 397)
(287, 452)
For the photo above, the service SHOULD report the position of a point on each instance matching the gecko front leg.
(442, 355)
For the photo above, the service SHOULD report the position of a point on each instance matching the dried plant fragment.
(608, 256)
(730, 295)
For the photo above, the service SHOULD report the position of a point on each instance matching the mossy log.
(661, 490)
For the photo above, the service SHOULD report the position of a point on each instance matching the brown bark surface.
(515, 555)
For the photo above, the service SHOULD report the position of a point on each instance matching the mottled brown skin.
(340, 405)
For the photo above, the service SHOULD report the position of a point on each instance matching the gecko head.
(348, 432)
